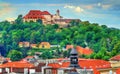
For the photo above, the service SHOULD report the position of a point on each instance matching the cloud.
(75, 8)
(107, 6)
(69, 6)
(99, 4)
(78, 9)
(38, 4)
(104, 6)
(88, 6)
(10, 19)
(6, 10)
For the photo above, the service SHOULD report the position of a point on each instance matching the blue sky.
(104, 12)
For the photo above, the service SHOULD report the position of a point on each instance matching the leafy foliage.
(103, 40)
(15, 55)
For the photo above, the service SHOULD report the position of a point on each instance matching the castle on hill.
(47, 18)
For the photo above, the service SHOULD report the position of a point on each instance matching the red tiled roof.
(18, 64)
(81, 50)
(36, 14)
(24, 42)
(20, 42)
(85, 51)
(8, 59)
(28, 57)
(33, 45)
(116, 58)
(35, 11)
(69, 47)
(94, 64)
(1, 66)
(85, 63)
(45, 13)
(118, 71)
(54, 65)
(61, 59)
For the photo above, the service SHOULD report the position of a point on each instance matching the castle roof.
(45, 13)
(36, 14)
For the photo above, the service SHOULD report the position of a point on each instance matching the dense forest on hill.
(104, 41)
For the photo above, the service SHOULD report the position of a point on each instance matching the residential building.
(115, 61)
(24, 44)
(85, 51)
(72, 65)
(81, 50)
(69, 47)
(4, 60)
(18, 67)
(30, 59)
(44, 45)
(33, 45)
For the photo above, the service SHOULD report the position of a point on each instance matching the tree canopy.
(100, 38)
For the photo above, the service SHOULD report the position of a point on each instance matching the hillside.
(104, 41)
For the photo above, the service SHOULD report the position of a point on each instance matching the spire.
(58, 12)
(73, 51)
(74, 59)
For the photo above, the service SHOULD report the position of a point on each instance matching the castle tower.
(58, 12)
(74, 59)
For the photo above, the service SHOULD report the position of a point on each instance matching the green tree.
(116, 49)
(40, 21)
(47, 55)
(15, 55)
(19, 19)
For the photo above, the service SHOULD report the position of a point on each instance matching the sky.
(103, 12)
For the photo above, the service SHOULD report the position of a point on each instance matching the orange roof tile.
(1, 66)
(85, 51)
(20, 42)
(81, 50)
(45, 43)
(118, 71)
(36, 14)
(54, 65)
(28, 57)
(24, 42)
(69, 47)
(18, 64)
(45, 13)
(85, 63)
(33, 45)
(94, 64)
(117, 58)
(8, 59)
